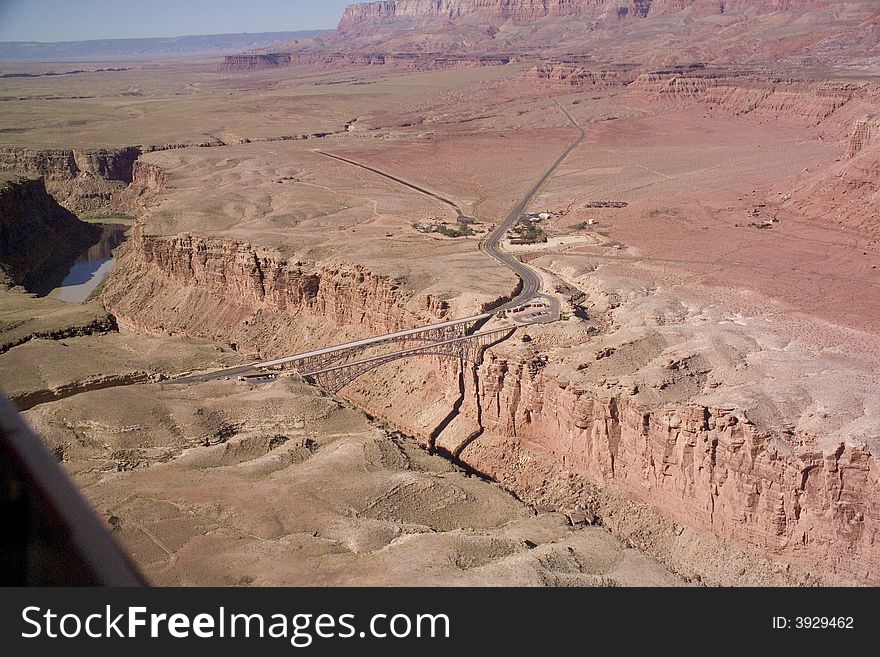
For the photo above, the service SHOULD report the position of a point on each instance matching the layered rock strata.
(846, 195)
(680, 474)
(414, 61)
(570, 75)
(251, 296)
(255, 61)
(865, 132)
(525, 11)
(706, 468)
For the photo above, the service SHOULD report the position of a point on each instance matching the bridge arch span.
(466, 349)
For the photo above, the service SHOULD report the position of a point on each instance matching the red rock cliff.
(256, 61)
(833, 104)
(864, 133)
(802, 502)
(253, 296)
(500, 10)
(706, 474)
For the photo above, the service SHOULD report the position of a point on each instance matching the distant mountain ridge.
(525, 11)
(659, 32)
(182, 46)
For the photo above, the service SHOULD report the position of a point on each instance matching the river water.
(91, 267)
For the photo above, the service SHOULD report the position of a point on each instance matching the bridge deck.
(368, 341)
(407, 352)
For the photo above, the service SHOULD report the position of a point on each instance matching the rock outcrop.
(834, 105)
(864, 133)
(27, 400)
(328, 59)
(450, 10)
(37, 235)
(146, 179)
(723, 31)
(573, 75)
(256, 61)
(846, 195)
(413, 61)
(780, 99)
(673, 86)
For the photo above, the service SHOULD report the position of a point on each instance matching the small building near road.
(258, 378)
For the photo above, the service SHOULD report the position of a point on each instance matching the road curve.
(491, 245)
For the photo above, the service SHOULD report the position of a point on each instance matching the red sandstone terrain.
(655, 31)
(709, 397)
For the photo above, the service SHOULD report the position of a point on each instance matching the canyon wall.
(845, 195)
(37, 235)
(709, 469)
(63, 164)
(146, 180)
(252, 296)
(82, 181)
(781, 98)
(701, 488)
(662, 478)
(450, 10)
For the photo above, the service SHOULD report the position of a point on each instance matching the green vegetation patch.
(462, 230)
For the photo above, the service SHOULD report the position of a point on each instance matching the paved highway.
(491, 246)
(399, 181)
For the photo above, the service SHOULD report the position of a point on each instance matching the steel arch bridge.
(469, 348)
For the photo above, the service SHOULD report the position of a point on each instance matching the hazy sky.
(74, 20)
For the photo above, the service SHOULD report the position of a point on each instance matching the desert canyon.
(705, 411)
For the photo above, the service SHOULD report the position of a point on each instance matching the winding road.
(491, 244)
